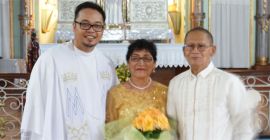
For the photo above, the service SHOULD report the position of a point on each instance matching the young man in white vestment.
(67, 91)
(208, 103)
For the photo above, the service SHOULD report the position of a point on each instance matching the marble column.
(262, 32)
(197, 14)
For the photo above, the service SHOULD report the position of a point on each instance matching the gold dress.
(124, 102)
(123, 105)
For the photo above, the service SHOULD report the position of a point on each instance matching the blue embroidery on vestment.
(74, 104)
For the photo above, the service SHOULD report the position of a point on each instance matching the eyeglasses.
(199, 47)
(87, 26)
(144, 59)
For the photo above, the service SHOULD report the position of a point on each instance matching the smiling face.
(85, 40)
(198, 59)
(141, 64)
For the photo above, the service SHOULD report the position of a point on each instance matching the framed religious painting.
(66, 9)
(148, 19)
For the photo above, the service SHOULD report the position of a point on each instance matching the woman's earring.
(154, 70)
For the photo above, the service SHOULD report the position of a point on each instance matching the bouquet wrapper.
(123, 130)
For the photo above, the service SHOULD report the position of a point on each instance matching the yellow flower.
(148, 123)
(162, 122)
(138, 123)
(151, 119)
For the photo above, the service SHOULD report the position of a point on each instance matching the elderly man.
(207, 103)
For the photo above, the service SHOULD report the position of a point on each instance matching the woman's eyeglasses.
(144, 59)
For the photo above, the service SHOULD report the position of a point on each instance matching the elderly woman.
(140, 92)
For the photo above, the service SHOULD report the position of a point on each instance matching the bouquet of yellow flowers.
(151, 122)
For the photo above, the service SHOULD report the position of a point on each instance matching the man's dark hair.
(90, 5)
(200, 29)
(142, 44)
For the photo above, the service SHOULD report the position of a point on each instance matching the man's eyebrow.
(98, 22)
(84, 20)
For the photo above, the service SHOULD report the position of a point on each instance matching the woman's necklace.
(141, 88)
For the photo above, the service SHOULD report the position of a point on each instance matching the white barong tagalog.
(66, 95)
(210, 106)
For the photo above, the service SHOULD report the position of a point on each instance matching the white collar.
(77, 50)
(204, 72)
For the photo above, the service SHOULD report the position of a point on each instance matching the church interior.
(241, 31)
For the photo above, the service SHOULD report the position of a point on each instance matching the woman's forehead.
(143, 51)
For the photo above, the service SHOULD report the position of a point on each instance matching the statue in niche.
(32, 51)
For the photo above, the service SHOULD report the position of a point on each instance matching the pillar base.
(263, 61)
(261, 67)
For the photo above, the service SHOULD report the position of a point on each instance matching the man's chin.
(195, 64)
(89, 45)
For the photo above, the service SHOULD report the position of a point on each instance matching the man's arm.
(240, 112)
(171, 108)
(36, 94)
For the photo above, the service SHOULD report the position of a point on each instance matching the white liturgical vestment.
(209, 106)
(66, 95)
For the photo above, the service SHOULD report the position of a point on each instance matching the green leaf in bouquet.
(152, 134)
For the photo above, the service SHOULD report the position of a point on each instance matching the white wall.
(4, 29)
(230, 29)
